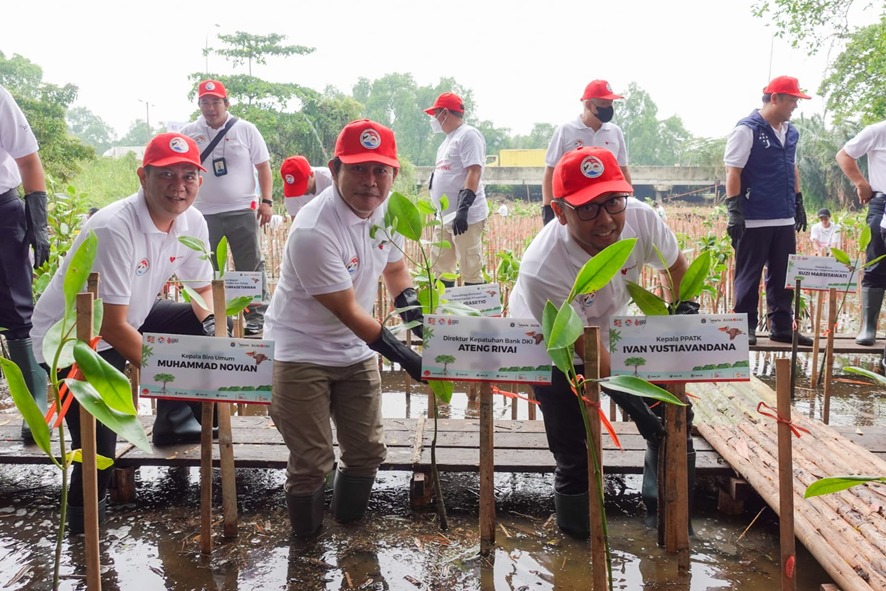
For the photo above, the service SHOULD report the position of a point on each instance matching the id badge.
(219, 167)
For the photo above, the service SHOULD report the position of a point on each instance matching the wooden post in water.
(88, 451)
(816, 346)
(595, 446)
(206, 478)
(829, 356)
(487, 471)
(225, 439)
(785, 475)
(673, 499)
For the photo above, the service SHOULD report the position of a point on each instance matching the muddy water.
(154, 545)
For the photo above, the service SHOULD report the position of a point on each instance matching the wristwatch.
(267, 202)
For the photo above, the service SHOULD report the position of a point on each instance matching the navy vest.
(767, 180)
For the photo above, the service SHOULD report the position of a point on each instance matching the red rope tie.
(65, 396)
(580, 380)
(505, 393)
(774, 415)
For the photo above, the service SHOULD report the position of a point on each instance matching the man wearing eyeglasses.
(594, 208)
(235, 164)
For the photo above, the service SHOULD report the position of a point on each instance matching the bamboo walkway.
(845, 531)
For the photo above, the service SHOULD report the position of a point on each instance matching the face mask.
(605, 114)
(436, 126)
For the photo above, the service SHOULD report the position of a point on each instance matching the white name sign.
(485, 298)
(481, 349)
(243, 283)
(819, 273)
(206, 368)
(690, 348)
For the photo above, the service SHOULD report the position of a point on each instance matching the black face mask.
(605, 114)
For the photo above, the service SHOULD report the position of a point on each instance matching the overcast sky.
(526, 61)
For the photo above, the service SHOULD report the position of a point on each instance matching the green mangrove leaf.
(194, 296)
(407, 219)
(442, 390)
(426, 206)
(108, 381)
(865, 237)
(101, 462)
(875, 261)
(236, 305)
(58, 334)
(649, 303)
(826, 486)
(26, 405)
(694, 279)
(640, 387)
(863, 372)
(124, 425)
(444, 202)
(221, 256)
(602, 267)
(563, 358)
(193, 243)
(79, 269)
(567, 328)
(98, 315)
(841, 256)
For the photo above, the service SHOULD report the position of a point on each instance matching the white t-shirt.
(16, 141)
(871, 142)
(242, 148)
(553, 260)
(829, 236)
(463, 147)
(329, 249)
(134, 260)
(575, 134)
(322, 181)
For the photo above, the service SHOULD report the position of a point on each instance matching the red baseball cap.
(167, 149)
(366, 141)
(584, 174)
(212, 88)
(447, 100)
(785, 85)
(599, 89)
(295, 170)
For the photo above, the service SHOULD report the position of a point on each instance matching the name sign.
(479, 349)
(819, 273)
(206, 368)
(486, 298)
(243, 283)
(690, 348)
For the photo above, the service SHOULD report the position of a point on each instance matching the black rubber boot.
(197, 409)
(21, 353)
(175, 423)
(871, 302)
(649, 490)
(447, 283)
(573, 514)
(350, 496)
(305, 513)
(76, 515)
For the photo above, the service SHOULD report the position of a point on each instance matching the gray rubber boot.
(649, 490)
(21, 353)
(573, 514)
(350, 496)
(76, 515)
(175, 423)
(305, 513)
(447, 283)
(871, 302)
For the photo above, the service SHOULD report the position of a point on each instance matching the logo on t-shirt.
(579, 144)
(588, 299)
(142, 267)
(352, 266)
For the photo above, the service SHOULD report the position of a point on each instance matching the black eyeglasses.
(591, 210)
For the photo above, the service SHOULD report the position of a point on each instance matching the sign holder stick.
(595, 472)
(225, 439)
(785, 474)
(673, 481)
(487, 471)
(829, 356)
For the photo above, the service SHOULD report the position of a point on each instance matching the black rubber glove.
(547, 213)
(800, 214)
(407, 298)
(209, 326)
(735, 220)
(684, 308)
(465, 201)
(393, 350)
(37, 222)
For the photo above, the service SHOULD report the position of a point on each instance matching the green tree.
(445, 360)
(245, 48)
(821, 179)
(165, 378)
(139, 134)
(90, 129)
(635, 362)
(856, 79)
(538, 138)
(809, 24)
(650, 141)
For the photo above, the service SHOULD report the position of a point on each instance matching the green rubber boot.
(305, 513)
(350, 496)
(871, 302)
(573, 514)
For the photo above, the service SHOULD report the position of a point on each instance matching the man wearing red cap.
(765, 206)
(458, 173)
(302, 182)
(592, 128)
(321, 321)
(870, 142)
(138, 251)
(594, 209)
(234, 152)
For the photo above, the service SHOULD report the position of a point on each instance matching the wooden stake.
(225, 439)
(595, 473)
(785, 475)
(487, 471)
(819, 304)
(829, 356)
(206, 478)
(674, 499)
(88, 451)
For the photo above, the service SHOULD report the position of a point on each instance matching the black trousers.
(875, 275)
(16, 297)
(767, 247)
(167, 317)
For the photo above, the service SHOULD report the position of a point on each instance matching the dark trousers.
(165, 317)
(767, 247)
(16, 297)
(875, 275)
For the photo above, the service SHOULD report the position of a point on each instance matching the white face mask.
(436, 126)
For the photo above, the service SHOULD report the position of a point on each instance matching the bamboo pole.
(225, 439)
(595, 446)
(88, 451)
(674, 499)
(829, 356)
(487, 471)
(785, 476)
(819, 304)
(206, 478)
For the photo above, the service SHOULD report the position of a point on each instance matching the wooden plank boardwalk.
(843, 344)
(845, 531)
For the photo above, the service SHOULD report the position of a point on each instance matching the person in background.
(593, 127)
(870, 142)
(824, 235)
(302, 182)
(23, 226)
(765, 206)
(458, 173)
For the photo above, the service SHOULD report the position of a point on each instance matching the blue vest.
(768, 182)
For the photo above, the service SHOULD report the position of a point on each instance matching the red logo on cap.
(289, 179)
(592, 167)
(370, 139)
